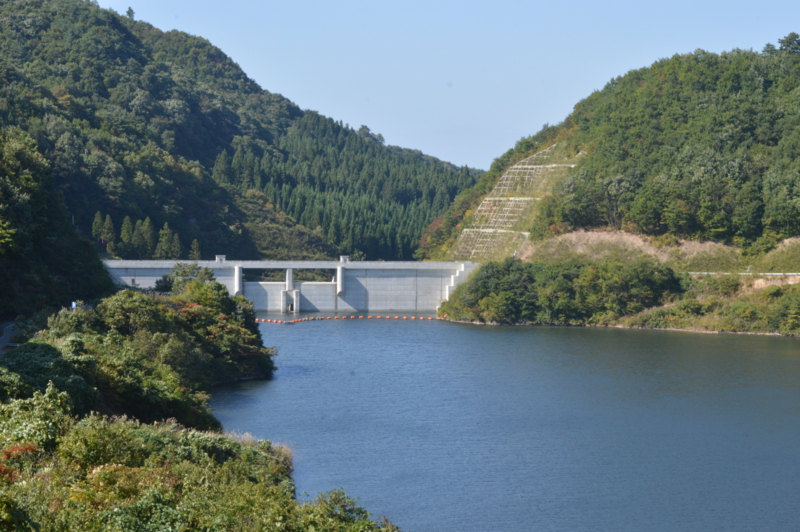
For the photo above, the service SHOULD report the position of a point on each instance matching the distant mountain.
(141, 124)
(701, 146)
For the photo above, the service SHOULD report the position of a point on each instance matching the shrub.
(572, 290)
(40, 420)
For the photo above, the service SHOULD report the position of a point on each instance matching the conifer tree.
(137, 242)
(107, 234)
(164, 246)
(222, 169)
(195, 254)
(97, 226)
(146, 239)
(125, 246)
(126, 233)
(175, 249)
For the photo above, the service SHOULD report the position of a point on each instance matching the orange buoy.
(413, 317)
(352, 317)
(369, 317)
(397, 317)
(377, 317)
(429, 318)
(361, 317)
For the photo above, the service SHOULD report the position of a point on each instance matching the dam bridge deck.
(357, 286)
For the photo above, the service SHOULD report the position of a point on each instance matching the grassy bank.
(729, 304)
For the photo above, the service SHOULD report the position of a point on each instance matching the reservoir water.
(448, 427)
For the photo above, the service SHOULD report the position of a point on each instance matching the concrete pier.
(358, 286)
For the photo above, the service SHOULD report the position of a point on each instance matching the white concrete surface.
(359, 286)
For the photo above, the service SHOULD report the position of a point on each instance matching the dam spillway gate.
(358, 286)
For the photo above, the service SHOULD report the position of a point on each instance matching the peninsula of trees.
(701, 148)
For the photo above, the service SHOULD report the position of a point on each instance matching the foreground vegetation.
(101, 416)
(631, 290)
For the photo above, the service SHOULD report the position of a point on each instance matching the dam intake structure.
(358, 286)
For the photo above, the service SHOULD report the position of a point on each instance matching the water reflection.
(458, 427)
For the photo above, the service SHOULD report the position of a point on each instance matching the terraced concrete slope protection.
(497, 227)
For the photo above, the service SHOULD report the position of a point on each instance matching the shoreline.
(618, 326)
(241, 379)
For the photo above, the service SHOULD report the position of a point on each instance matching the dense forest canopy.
(36, 235)
(164, 128)
(700, 146)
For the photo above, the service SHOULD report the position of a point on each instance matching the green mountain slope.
(140, 123)
(43, 261)
(701, 146)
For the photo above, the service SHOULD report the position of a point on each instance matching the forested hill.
(701, 146)
(43, 261)
(151, 128)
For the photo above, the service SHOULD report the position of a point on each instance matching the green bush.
(119, 474)
(572, 290)
(42, 420)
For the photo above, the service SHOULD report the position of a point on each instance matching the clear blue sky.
(459, 80)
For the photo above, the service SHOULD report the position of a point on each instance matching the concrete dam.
(358, 286)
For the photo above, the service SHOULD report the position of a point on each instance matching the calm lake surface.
(448, 427)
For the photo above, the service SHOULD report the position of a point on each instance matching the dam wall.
(359, 286)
